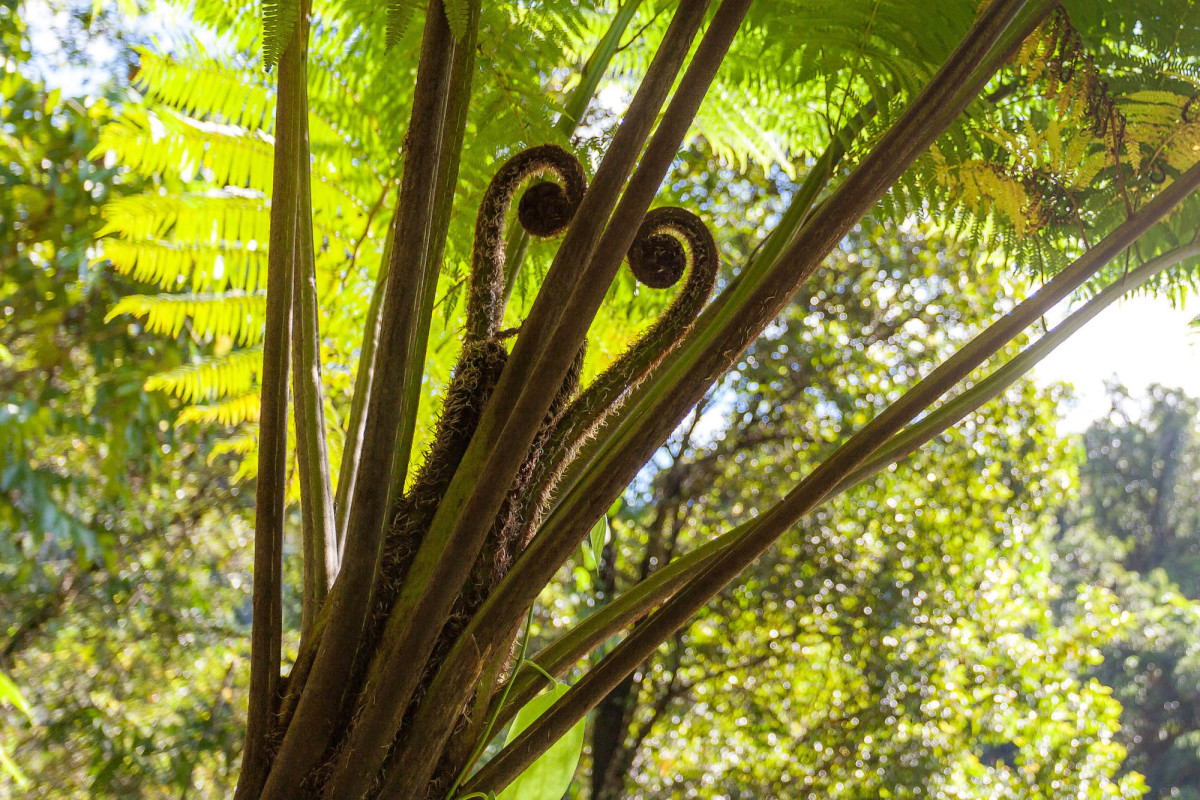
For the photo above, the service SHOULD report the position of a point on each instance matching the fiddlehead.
(669, 242)
(544, 210)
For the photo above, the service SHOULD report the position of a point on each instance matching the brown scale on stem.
(544, 210)
(669, 242)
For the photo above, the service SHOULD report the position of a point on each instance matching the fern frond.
(236, 315)
(279, 19)
(399, 15)
(206, 218)
(211, 378)
(234, 411)
(206, 88)
(202, 268)
(180, 147)
(456, 17)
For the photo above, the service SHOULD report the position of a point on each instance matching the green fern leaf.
(234, 411)
(230, 375)
(279, 20)
(400, 13)
(457, 14)
(236, 315)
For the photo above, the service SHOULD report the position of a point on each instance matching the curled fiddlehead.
(669, 242)
(544, 210)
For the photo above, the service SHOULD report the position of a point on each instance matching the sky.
(1139, 341)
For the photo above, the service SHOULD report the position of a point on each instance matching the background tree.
(123, 564)
(1135, 532)
(897, 643)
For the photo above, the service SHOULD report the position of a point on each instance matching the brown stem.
(267, 629)
(319, 536)
(363, 378)
(472, 500)
(322, 702)
(447, 695)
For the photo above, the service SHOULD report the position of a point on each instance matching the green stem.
(319, 535)
(486, 735)
(363, 379)
(952, 411)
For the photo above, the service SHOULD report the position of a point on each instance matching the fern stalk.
(267, 629)
(452, 143)
(473, 650)
(435, 577)
(363, 379)
(319, 533)
(362, 756)
(428, 170)
(953, 411)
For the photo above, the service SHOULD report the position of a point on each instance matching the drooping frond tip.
(279, 18)
(399, 14)
(457, 14)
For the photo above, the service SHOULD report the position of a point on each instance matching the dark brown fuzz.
(669, 241)
(505, 541)
(471, 385)
(657, 260)
(545, 210)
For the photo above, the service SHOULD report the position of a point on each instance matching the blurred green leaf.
(549, 777)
